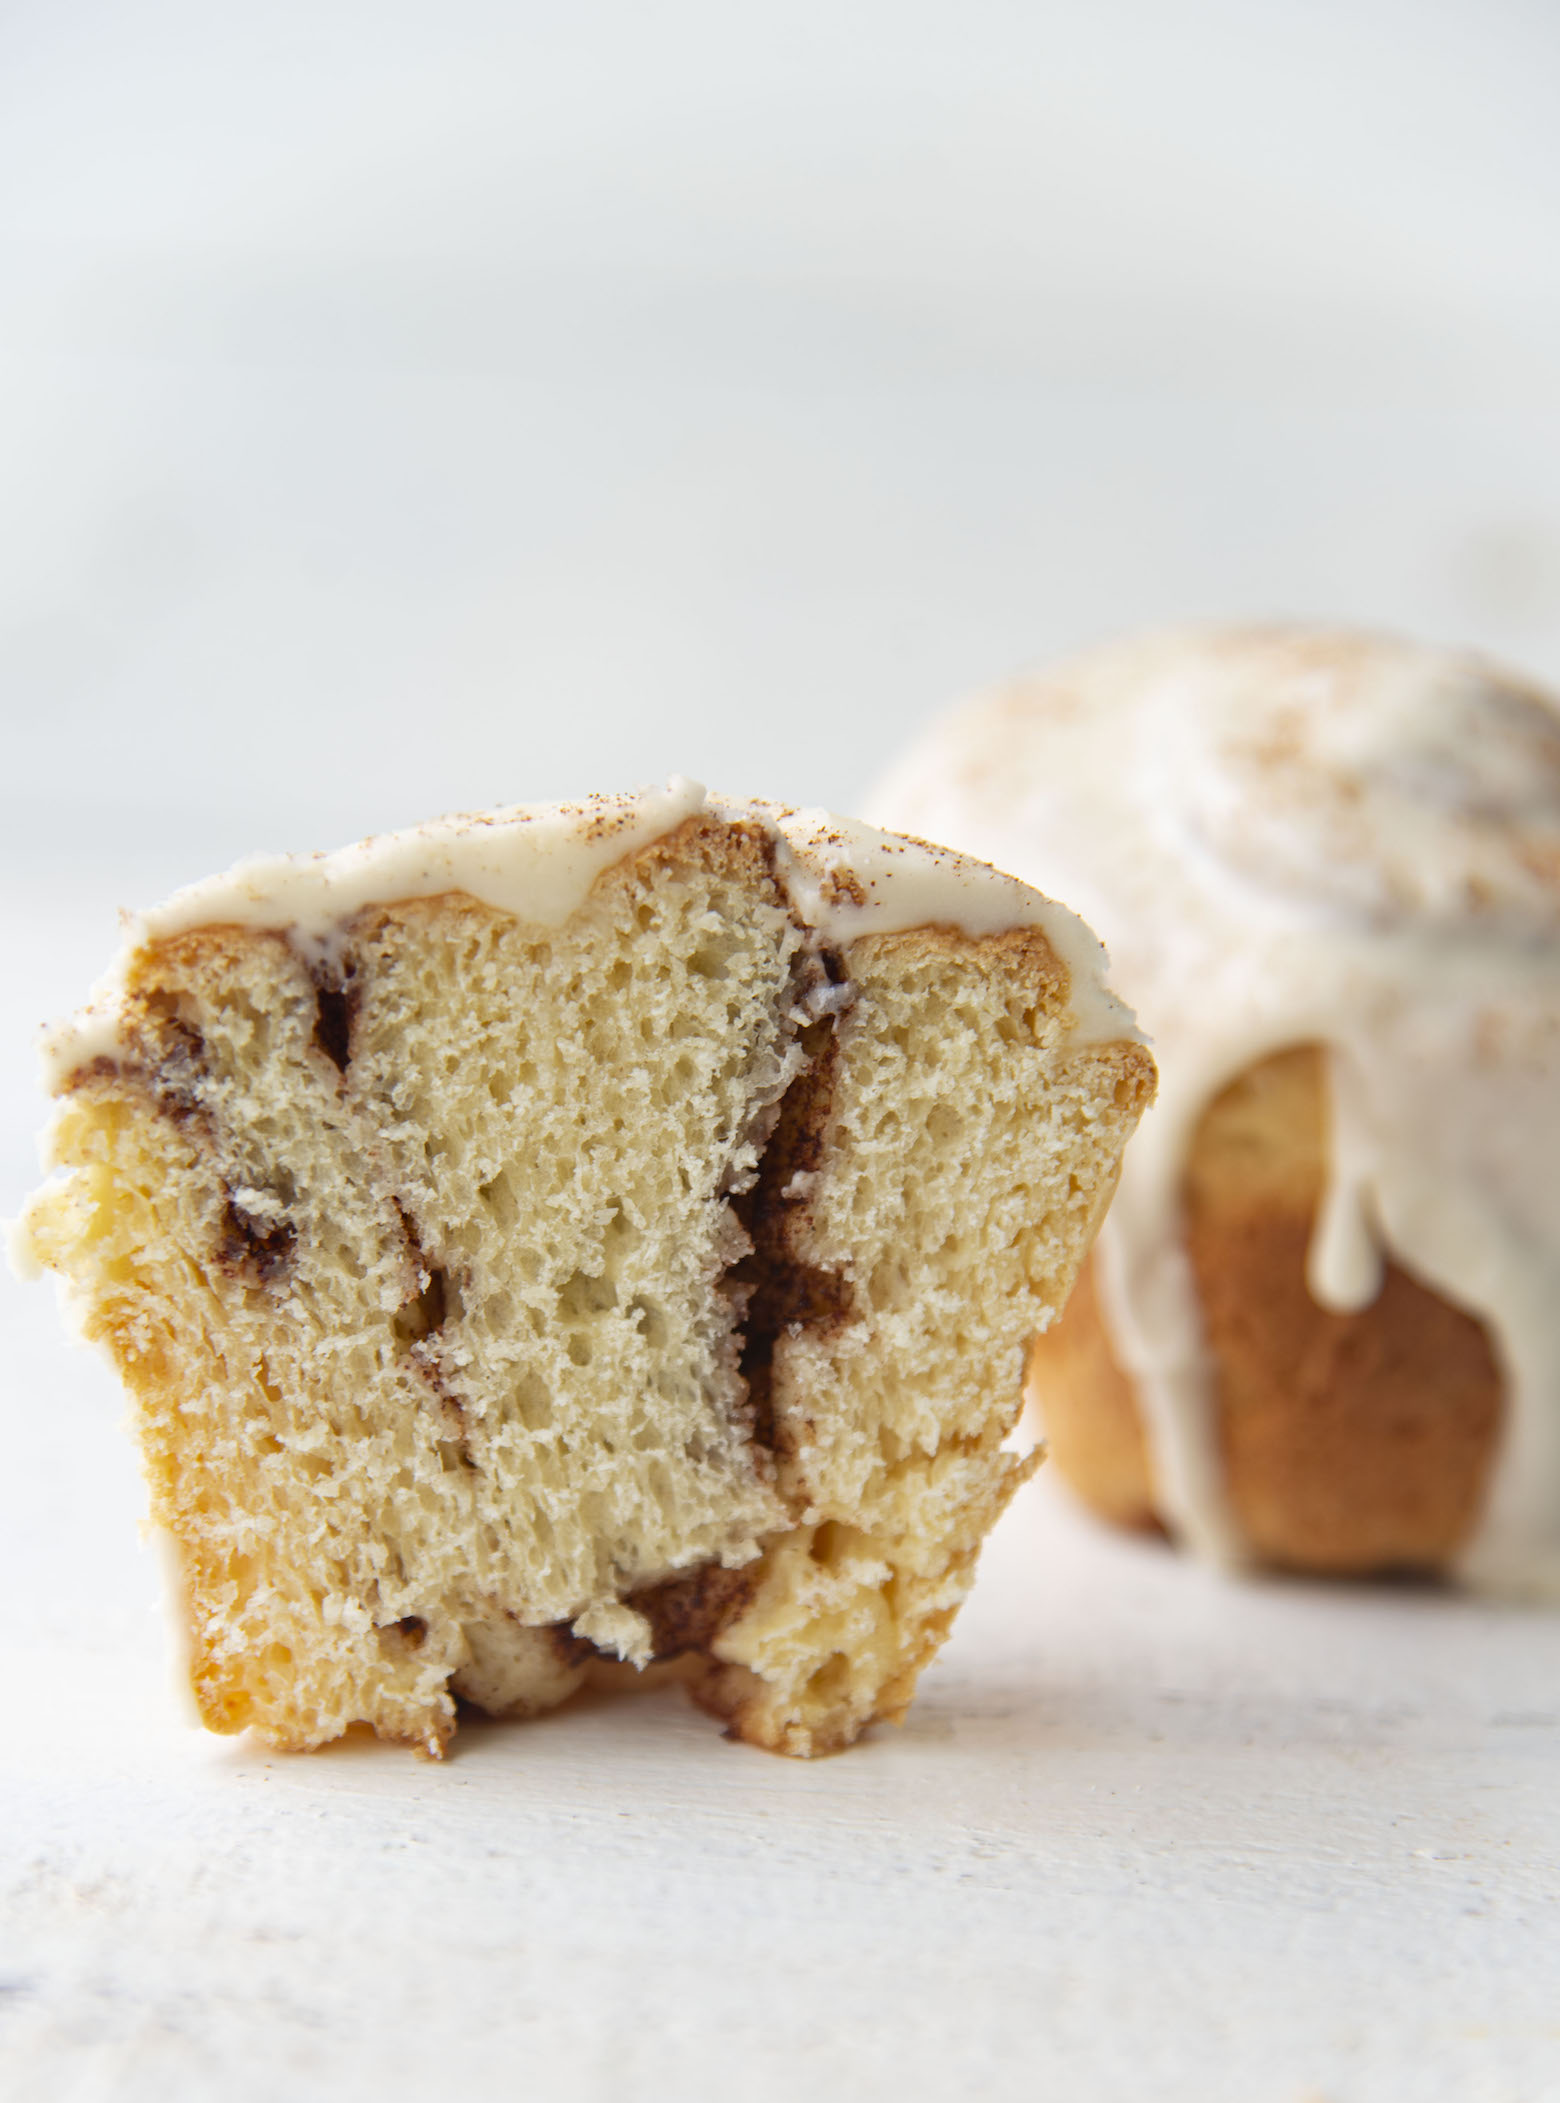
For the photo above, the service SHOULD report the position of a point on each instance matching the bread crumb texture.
(499, 1302)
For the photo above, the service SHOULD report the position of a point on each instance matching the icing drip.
(1290, 837)
(1345, 1263)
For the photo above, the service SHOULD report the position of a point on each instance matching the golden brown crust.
(1093, 1432)
(1351, 1442)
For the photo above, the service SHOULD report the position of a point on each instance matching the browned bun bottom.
(1351, 1443)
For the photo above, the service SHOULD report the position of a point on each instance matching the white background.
(406, 407)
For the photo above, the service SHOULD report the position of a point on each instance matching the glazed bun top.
(539, 861)
(1379, 782)
(1285, 836)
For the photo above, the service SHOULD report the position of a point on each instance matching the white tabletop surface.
(1146, 1833)
(412, 408)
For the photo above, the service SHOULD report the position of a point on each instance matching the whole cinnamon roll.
(1321, 1327)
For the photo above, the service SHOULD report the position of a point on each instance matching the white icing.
(910, 883)
(539, 862)
(1346, 1263)
(1293, 837)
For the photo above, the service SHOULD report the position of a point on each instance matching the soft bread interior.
(967, 1155)
(496, 1300)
